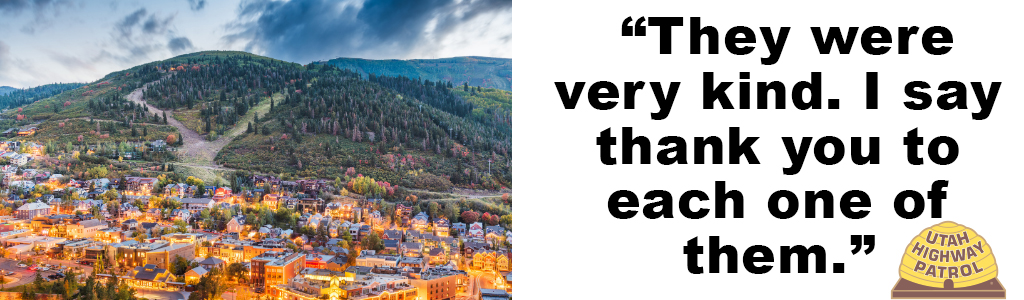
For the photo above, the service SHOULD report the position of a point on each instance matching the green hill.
(13, 97)
(295, 121)
(488, 72)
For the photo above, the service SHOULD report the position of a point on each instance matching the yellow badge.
(948, 260)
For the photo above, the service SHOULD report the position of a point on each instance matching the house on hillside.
(139, 186)
(475, 231)
(32, 210)
(441, 226)
(494, 234)
(183, 215)
(176, 190)
(28, 131)
(196, 205)
(234, 225)
(222, 194)
(419, 222)
(271, 200)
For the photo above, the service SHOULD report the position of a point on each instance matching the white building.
(86, 229)
(31, 210)
(195, 205)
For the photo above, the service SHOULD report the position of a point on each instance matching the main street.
(477, 280)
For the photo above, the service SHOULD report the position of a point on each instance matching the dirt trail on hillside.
(197, 151)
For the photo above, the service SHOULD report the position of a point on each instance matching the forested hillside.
(12, 97)
(313, 121)
(490, 106)
(487, 72)
(391, 128)
(211, 92)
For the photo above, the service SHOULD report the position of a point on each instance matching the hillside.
(488, 72)
(418, 134)
(13, 97)
(271, 116)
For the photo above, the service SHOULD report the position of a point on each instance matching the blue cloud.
(197, 4)
(307, 30)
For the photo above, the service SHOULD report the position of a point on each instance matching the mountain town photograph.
(270, 150)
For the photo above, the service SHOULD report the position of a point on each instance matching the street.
(477, 280)
(23, 275)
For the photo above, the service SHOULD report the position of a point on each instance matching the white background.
(569, 246)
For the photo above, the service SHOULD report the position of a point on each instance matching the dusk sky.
(47, 41)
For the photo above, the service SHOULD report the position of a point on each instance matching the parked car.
(22, 265)
(45, 269)
(9, 273)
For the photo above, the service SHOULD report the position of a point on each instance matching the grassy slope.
(191, 119)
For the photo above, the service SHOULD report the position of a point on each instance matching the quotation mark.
(638, 30)
(862, 240)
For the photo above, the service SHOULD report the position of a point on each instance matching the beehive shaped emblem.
(948, 255)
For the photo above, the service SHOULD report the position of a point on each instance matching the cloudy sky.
(46, 41)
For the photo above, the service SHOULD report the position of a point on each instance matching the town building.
(376, 286)
(164, 257)
(194, 275)
(440, 283)
(234, 225)
(419, 222)
(373, 260)
(139, 186)
(86, 229)
(494, 294)
(149, 276)
(274, 268)
(32, 210)
(211, 263)
(441, 226)
(475, 231)
(196, 205)
(110, 235)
